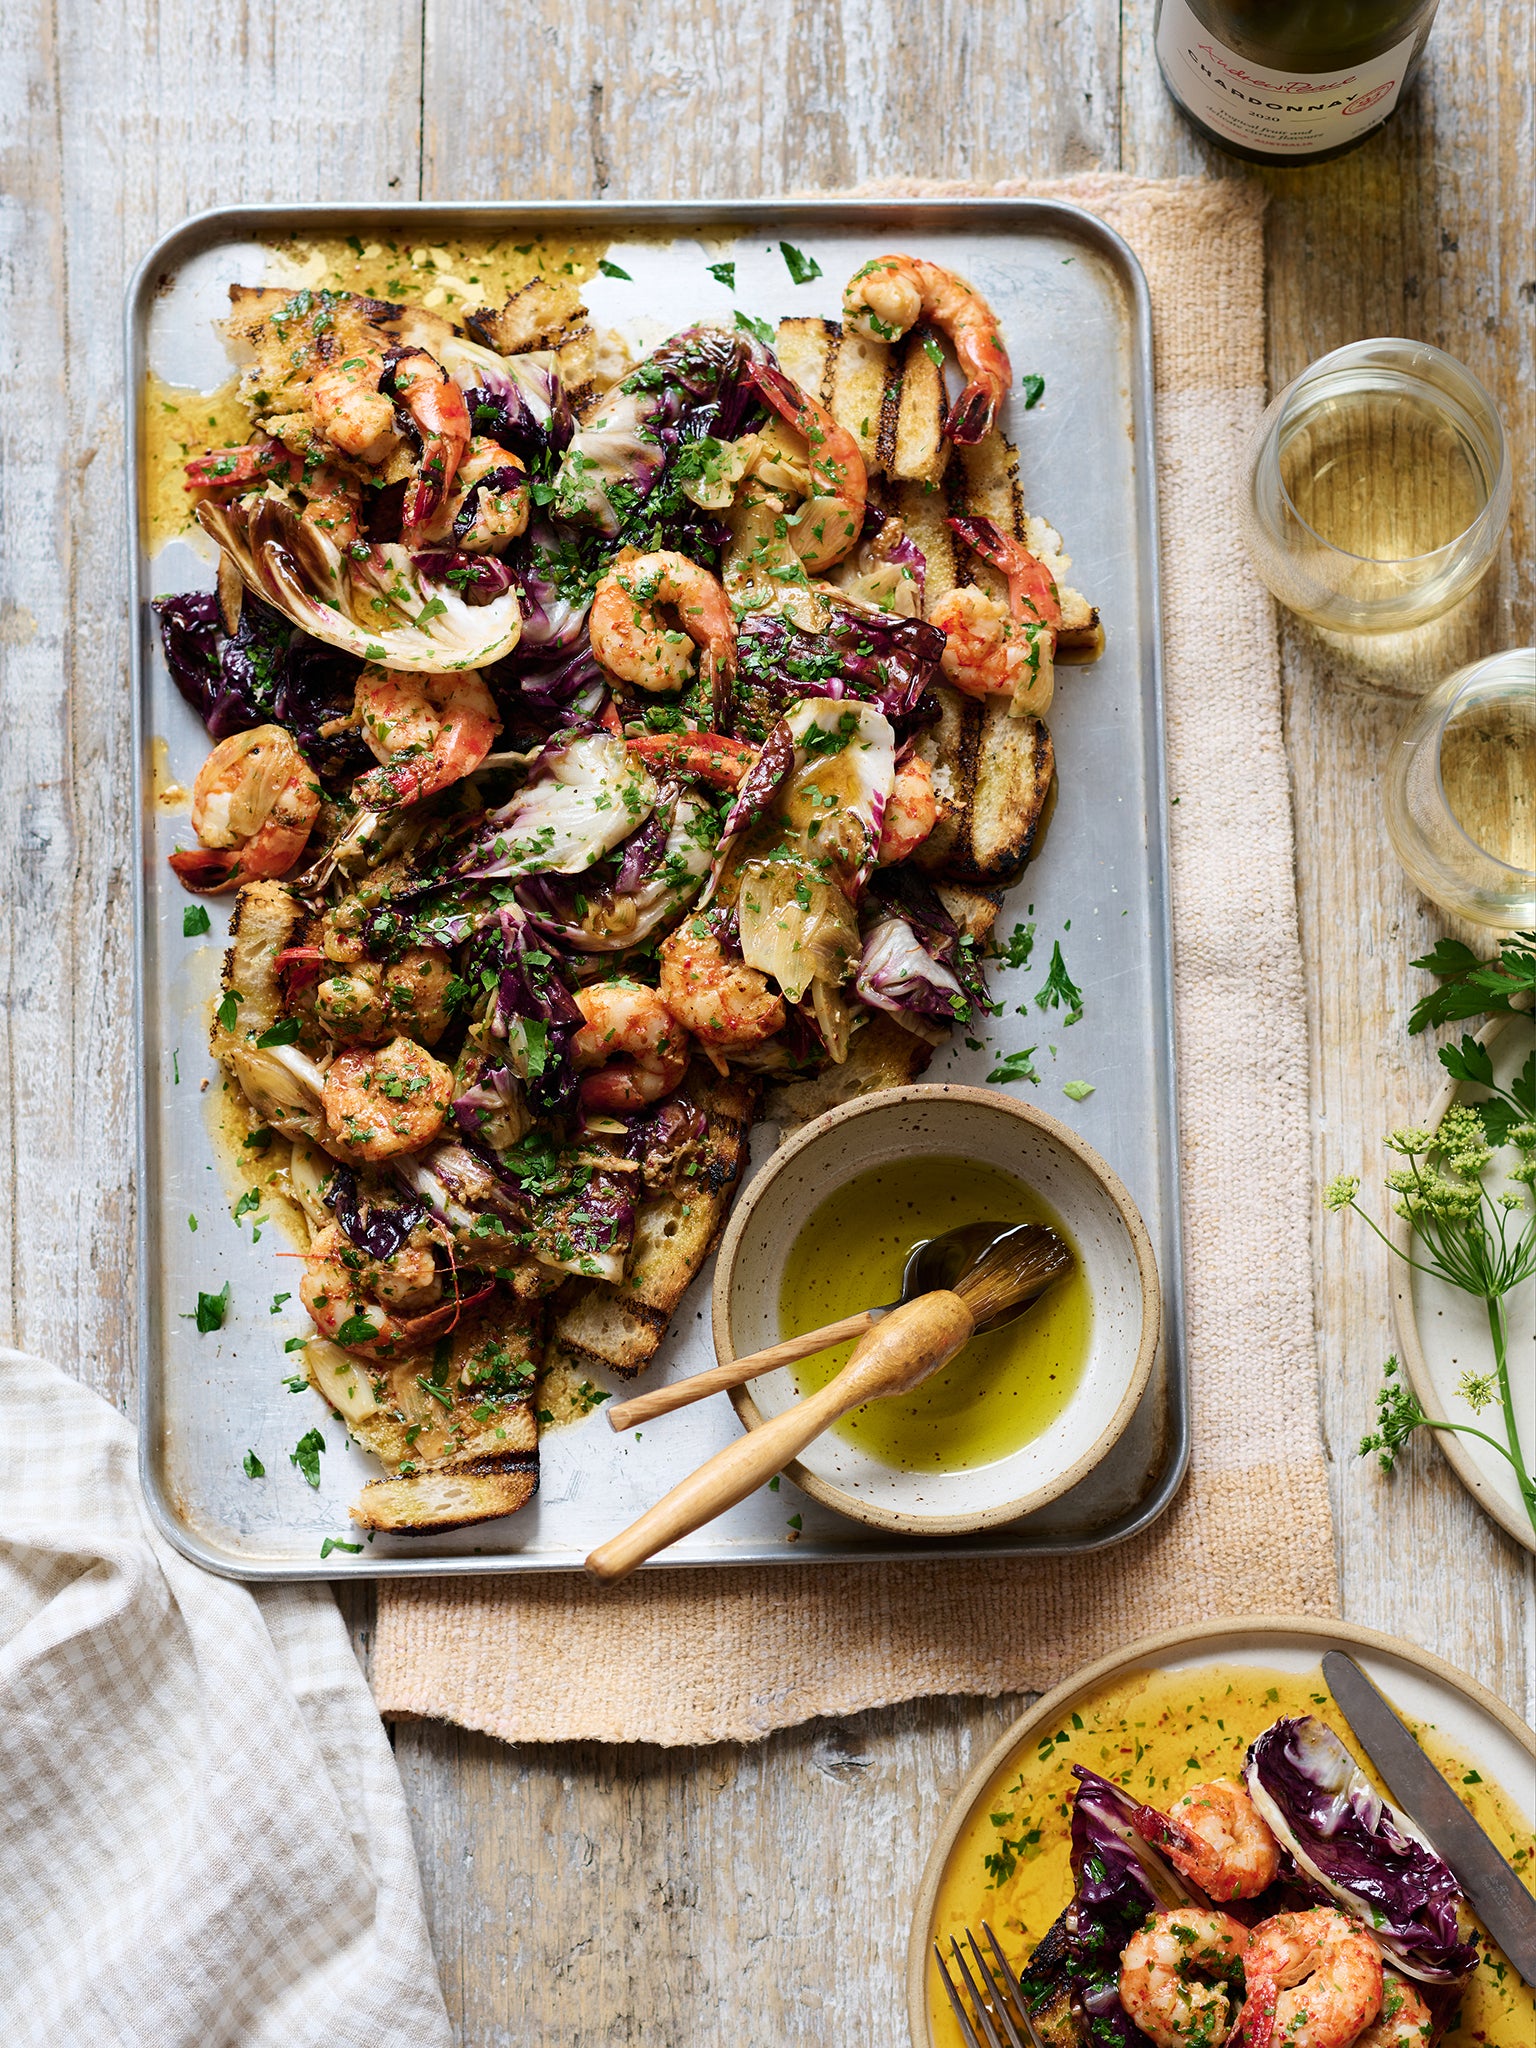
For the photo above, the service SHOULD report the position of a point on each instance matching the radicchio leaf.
(897, 973)
(1118, 1879)
(377, 1228)
(264, 673)
(1354, 1850)
(885, 660)
(533, 1010)
(910, 895)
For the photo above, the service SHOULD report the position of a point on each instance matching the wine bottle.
(1290, 81)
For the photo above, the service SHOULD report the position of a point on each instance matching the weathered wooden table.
(759, 1895)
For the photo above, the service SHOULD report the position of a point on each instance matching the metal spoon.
(935, 1263)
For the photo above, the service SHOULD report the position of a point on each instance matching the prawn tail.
(971, 416)
(436, 1322)
(207, 871)
(1256, 2022)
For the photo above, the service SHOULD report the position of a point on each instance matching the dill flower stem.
(1498, 1330)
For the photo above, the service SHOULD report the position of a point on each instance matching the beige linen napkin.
(203, 1836)
(697, 1655)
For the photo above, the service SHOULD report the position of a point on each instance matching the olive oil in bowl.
(1003, 1390)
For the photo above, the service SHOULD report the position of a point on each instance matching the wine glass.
(1460, 792)
(1378, 487)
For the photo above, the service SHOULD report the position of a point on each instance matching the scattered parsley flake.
(1078, 1090)
(1016, 1066)
(801, 268)
(254, 1468)
(284, 1032)
(758, 329)
(335, 1543)
(1033, 388)
(211, 1310)
(306, 1455)
(612, 270)
(1060, 991)
(194, 921)
(723, 273)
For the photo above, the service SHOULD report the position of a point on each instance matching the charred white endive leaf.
(613, 448)
(588, 794)
(414, 621)
(844, 750)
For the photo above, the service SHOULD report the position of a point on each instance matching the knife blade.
(1502, 1902)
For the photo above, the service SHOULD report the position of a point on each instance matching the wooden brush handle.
(895, 1355)
(662, 1400)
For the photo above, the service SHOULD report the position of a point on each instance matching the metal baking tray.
(1073, 306)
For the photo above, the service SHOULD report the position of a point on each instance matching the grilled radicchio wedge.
(1118, 1879)
(1352, 1849)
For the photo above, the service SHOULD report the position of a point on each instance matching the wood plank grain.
(653, 1897)
(690, 98)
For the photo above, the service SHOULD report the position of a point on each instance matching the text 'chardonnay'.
(1290, 81)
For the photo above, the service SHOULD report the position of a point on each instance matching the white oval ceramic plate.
(985, 1125)
(1442, 1333)
(1422, 1688)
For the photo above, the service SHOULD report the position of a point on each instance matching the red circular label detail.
(1367, 99)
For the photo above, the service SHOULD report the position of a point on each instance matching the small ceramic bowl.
(945, 1122)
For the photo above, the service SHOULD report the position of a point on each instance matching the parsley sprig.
(1473, 987)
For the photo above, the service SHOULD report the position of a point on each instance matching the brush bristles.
(1023, 1264)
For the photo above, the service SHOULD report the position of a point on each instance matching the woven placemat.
(693, 1656)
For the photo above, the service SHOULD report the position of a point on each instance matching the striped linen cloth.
(203, 1836)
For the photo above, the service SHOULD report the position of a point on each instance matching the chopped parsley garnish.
(1017, 947)
(306, 1455)
(723, 273)
(1078, 1090)
(1016, 1066)
(357, 1329)
(254, 1468)
(801, 268)
(228, 1012)
(1060, 991)
(612, 270)
(760, 330)
(335, 1543)
(211, 1310)
(194, 921)
(1033, 388)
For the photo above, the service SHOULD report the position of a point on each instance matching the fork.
(1003, 2003)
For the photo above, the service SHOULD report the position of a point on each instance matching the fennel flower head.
(1341, 1191)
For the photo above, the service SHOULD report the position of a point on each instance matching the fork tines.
(1001, 2005)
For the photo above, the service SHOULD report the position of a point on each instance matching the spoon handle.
(662, 1400)
(899, 1351)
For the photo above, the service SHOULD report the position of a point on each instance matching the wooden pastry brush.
(899, 1353)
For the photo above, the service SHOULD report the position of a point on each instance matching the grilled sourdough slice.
(457, 1429)
(993, 772)
(676, 1228)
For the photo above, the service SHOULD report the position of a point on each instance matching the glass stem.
(1499, 1333)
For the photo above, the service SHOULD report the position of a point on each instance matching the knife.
(1503, 1904)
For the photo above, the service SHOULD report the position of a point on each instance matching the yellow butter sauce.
(1003, 1389)
(450, 278)
(1158, 1733)
(178, 424)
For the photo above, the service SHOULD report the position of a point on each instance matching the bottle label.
(1287, 113)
